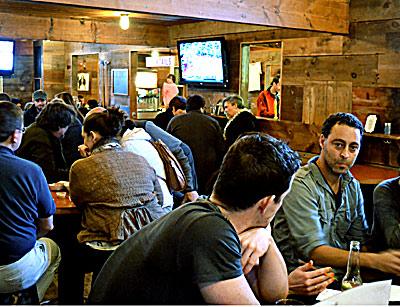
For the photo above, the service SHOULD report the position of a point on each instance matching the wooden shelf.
(395, 137)
(369, 174)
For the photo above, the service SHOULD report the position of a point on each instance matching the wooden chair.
(28, 296)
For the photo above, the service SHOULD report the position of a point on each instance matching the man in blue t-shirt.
(26, 214)
(201, 253)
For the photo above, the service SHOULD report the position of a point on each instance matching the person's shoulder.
(244, 115)
(389, 184)
(304, 171)
(34, 129)
(27, 165)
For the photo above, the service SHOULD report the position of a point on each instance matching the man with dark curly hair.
(41, 142)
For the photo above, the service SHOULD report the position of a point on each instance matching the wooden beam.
(319, 15)
(57, 29)
(324, 45)
(373, 10)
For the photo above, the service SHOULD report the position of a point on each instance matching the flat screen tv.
(7, 57)
(203, 62)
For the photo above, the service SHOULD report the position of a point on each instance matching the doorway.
(260, 63)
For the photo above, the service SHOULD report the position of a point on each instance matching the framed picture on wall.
(119, 81)
(83, 82)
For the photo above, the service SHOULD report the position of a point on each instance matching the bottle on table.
(352, 278)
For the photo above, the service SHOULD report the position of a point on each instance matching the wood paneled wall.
(324, 73)
(54, 68)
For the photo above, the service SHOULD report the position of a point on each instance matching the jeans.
(37, 266)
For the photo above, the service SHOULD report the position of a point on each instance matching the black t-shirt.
(168, 260)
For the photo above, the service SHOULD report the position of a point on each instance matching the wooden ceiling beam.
(317, 15)
(72, 30)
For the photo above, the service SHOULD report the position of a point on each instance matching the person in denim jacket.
(325, 209)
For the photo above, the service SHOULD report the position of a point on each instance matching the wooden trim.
(57, 29)
(319, 15)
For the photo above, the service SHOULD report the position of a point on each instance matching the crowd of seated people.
(116, 180)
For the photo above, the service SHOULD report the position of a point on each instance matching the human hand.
(307, 280)
(83, 151)
(190, 196)
(255, 243)
(388, 261)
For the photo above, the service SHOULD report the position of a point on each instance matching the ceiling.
(72, 12)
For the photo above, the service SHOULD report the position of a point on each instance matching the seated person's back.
(26, 210)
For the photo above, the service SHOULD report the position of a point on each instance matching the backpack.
(175, 177)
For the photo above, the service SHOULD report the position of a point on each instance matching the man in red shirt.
(266, 99)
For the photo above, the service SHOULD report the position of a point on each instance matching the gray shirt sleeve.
(301, 210)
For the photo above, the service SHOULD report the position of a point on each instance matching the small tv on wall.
(7, 57)
(203, 62)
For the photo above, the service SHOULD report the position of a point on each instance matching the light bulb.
(155, 54)
(124, 21)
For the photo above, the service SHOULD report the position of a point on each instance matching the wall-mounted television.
(7, 57)
(203, 62)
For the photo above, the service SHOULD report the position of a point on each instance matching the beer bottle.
(353, 278)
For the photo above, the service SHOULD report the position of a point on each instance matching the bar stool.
(28, 296)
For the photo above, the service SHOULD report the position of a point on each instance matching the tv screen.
(7, 57)
(203, 62)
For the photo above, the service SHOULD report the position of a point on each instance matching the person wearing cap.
(39, 98)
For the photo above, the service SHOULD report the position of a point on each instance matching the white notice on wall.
(161, 61)
(254, 76)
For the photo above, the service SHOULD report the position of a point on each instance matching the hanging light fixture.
(124, 21)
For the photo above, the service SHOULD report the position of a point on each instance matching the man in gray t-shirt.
(195, 254)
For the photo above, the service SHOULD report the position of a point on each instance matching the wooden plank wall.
(358, 72)
(53, 68)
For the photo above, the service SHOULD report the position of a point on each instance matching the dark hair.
(234, 100)
(178, 102)
(5, 97)
(172, 77)
(275, 80)
(195, 102)
(108, 123)
(55, 115)
(68, 99)
(92, 103)
(11, 119)
(255, 166)
(80, 96)
(242, 123)
(341, 119)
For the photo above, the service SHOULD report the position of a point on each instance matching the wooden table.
(64, 205)
(67, 222)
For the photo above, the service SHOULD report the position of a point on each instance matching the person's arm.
(44, 225)
(234, 291)
(387, 261)
(263, 265)
(387, 212)
(307, 280)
